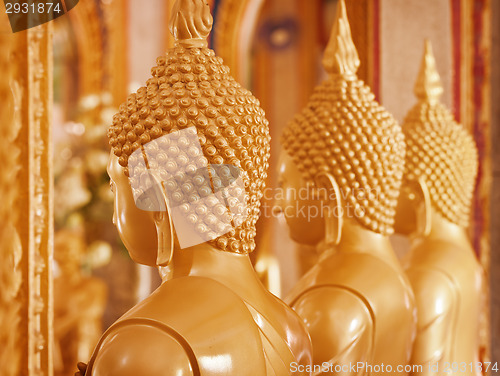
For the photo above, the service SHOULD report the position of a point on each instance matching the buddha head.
(189, 153)
(441, 159)
(344, 149)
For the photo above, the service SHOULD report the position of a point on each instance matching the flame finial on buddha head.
(428, 86)
(191, 23)
(341, 56)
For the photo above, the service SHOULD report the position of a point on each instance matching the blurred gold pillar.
(236, 21)
(86, 23)
(26, 190)
(366, 35)
(116, 64)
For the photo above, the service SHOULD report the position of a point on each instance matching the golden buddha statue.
(189, 158)
(79, 304)
(434, 210)
(341, 173)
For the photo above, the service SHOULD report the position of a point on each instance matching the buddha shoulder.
(343, 312)
(141, 349)
(177, 327)
(436, 294)
(443, 255)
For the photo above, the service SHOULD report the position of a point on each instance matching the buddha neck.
(230, 269)
(444, 230)
(358, 239)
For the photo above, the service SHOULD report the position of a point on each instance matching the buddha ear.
(164, 225)
(424, 208)
(333, 211)
(165, 233)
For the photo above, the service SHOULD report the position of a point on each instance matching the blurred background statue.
(341, 170)
(434, 209)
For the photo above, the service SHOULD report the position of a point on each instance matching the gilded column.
(33, 208)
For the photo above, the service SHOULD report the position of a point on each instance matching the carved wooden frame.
(27, 181)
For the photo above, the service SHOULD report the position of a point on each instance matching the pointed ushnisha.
(191, 23)
(341, 56)
(428, 87)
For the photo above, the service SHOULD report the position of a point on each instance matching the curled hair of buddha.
(345, 132)
(191, 89)
(439, 151)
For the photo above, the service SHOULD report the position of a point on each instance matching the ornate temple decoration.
(336, 133)
(26, 185)
(430, 128)
(192, 88)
